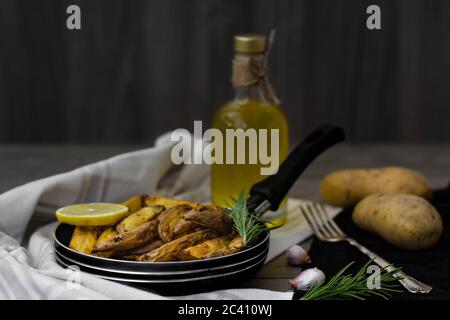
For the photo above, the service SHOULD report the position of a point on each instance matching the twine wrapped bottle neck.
(251, 70)
(248, 70)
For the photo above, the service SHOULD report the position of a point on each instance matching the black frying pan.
(181, 277)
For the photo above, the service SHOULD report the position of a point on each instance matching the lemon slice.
(92, 214)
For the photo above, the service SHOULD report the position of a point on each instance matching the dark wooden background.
(140, 68)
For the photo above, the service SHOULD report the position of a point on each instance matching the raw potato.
(346, 187)
(140, 217)
(404, 220)
(84, 239)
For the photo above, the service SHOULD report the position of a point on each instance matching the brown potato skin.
(406, 221)
(184, 227)
(139, 236)
(133, 254)
(169, 219)
(345, 188)
(170, 251)
(210, 217)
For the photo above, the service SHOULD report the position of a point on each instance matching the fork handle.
(411, 284)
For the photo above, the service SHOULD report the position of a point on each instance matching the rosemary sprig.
(247, 225)
(342, 286)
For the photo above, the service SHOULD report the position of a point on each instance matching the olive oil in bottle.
(254, 106)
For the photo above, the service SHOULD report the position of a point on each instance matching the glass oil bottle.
(256, 106)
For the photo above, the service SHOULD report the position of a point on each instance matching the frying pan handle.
(275, 187)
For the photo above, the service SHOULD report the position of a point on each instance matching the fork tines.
(321, 224)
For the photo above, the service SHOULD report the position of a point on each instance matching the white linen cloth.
(27, 263)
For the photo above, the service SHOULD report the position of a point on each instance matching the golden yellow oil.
(227, 180)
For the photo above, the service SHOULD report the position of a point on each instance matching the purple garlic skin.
(307, 279)
(297, 256)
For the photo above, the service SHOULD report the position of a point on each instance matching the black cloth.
(431, 266)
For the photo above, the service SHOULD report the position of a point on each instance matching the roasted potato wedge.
(146, 248)
(211, 217)
(184, 227)
(161, 229)
(84, 239)
(133, 254)
(170, 251)
(166, 202)
(234, 245)
(169, 219)
(105, 236)
(139, 236)
(140, 217)
(133, 204)
(201, 250)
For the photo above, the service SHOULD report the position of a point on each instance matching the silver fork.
(326, 229)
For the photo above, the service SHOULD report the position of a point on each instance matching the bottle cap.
(250, 43)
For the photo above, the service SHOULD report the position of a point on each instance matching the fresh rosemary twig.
(355, 286)
(247, 225)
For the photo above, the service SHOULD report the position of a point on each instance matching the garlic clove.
(307, 279)
(296, 255)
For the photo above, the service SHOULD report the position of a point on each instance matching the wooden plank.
(135, 66)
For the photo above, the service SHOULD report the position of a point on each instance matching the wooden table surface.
(20, 164)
